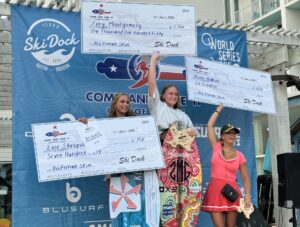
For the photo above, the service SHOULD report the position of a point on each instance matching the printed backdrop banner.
(53, 81)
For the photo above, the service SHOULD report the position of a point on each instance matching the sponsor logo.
(224, 48)
(55, 132)
(73, 209)
(173, 189)
(195, 188)
(102, 223)
(167, 210)
(51, 43)
(101, 10)
(73, 194)
(199, 67)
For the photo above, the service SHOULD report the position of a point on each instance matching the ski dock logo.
(51, 43)
(101, 10)
(137, 69)
(200, 67)
(55, 132)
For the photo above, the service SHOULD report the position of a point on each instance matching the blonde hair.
(112, 110)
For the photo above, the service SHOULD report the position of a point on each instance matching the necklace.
(229, 151)
(228, 154)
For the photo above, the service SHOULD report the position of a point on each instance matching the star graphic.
(242, 208)
(124, 194)
(180, 137)
(113, 68)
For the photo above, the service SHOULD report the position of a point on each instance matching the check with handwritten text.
(137, 28)
(236, 87)
(122, 145)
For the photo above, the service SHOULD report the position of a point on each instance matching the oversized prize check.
(133, 145)
(132, 28)
(236, 87)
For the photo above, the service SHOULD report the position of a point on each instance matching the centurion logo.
(51, 43)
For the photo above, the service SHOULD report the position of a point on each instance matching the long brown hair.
(163, 91)
(112, 110)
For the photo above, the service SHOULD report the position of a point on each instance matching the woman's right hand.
(83, 120)
(152, 73)
(211, 134)
(220, 108)
(155, 57)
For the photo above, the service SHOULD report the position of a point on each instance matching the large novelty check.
(64, 149)
(241, 88)
(132, 28)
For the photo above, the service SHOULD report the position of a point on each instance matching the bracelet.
(217, 111)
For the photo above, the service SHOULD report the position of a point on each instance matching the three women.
(226, 160)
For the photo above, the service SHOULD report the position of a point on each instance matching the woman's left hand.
(247, 201)
(83, 120)
(192, 132)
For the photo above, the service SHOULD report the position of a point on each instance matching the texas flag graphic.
(137, 68)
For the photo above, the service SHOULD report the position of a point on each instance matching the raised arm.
(152, 73)
(210, 125)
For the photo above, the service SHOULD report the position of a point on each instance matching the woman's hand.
(192, 132)
(83, 120)
(152, 73)
(247, 200)
(220, 108)
(155, 57)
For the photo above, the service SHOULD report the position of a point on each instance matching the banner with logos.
(53, 81)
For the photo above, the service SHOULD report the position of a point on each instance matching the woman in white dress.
(165, 106)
